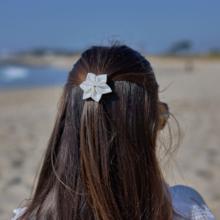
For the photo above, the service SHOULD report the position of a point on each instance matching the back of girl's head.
(101, 158)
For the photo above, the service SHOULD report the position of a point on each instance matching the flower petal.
(96, 96)
(85, 85)
(87, 93)
(103, 89)
(102, 78)
(91, 77)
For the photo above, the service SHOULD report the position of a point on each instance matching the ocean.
(27, 77)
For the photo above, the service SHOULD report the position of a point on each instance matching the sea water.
(23, 77)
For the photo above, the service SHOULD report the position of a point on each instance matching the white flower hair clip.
(95, 86)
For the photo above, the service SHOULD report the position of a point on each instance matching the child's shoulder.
(189, 204)
(18, 213)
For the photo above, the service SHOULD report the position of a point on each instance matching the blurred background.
(39, 43)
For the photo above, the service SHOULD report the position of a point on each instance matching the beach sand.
(27, 117)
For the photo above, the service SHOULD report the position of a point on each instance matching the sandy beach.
(27, 117)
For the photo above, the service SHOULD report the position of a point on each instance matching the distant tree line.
(49, 51)
(182, 47)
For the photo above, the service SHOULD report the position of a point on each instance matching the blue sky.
(152, 25)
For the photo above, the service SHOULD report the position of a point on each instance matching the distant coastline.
(64, 59)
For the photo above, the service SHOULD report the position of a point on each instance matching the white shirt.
(187, 205)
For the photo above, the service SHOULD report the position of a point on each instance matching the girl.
(101, 161)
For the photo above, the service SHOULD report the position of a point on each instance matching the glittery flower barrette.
(95, 86)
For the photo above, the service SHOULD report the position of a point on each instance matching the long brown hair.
(101, 162)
